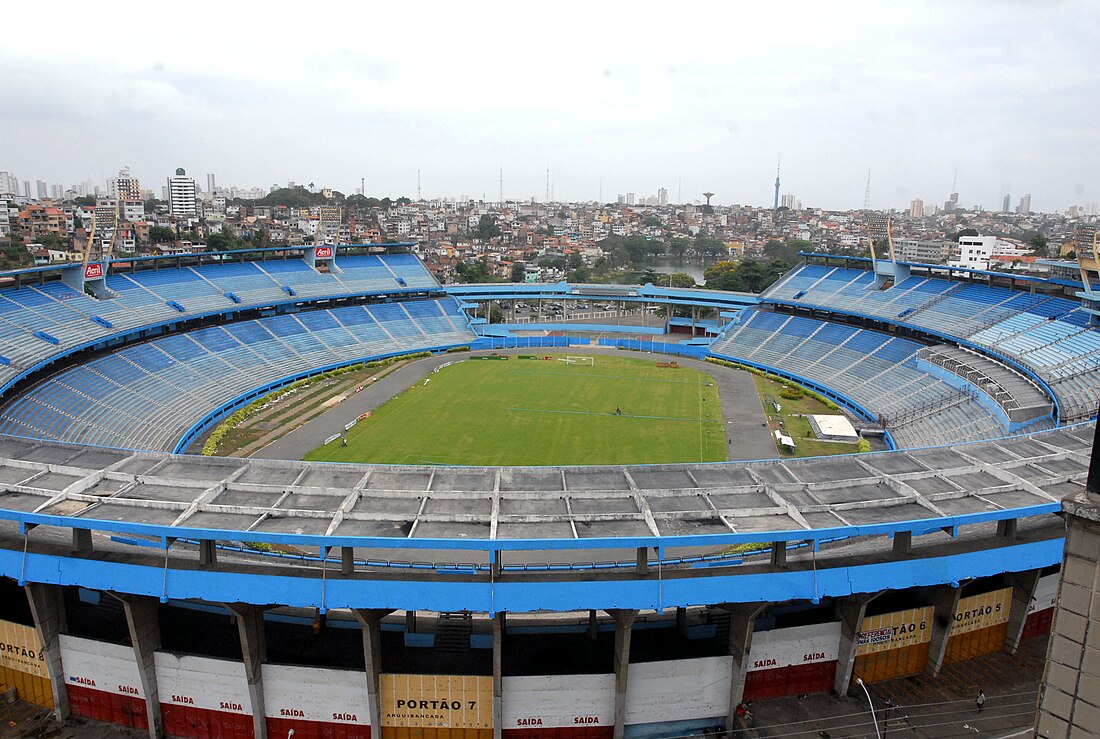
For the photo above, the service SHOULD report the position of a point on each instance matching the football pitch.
(543, 411)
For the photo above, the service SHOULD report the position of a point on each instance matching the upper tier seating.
(875, 370)
(37, 322)
(147, 396)
(1048, 335)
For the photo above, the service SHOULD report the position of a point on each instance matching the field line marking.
(621, 415)
(613, 377)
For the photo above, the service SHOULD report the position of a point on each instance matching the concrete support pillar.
(779, 553)
(347, 560)
(208, 552)
(1069, 704)
(250, 628)
(371, 622)
(1007, 528)
(643, 560)
(144, 624)
(742, 619)
(82, 541)
(945, 601)
(48, 610)
(593, 626)
(850, 613)
(410, 622)
(498, 675)
(624, 620)
(903, 543)
(1023, 593)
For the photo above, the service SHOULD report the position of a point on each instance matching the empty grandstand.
(868, 370)
(148, 396)
(1047, 336)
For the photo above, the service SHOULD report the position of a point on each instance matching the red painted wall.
(816, 677)
(126, 710)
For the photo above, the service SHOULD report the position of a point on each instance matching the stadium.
(200, 596)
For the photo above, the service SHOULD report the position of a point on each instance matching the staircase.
(452, 632)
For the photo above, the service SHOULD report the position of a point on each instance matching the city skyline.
(640, 101)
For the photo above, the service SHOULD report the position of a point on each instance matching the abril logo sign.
(324, 252)
(93, 272)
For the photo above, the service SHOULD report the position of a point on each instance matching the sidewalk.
(939, 708)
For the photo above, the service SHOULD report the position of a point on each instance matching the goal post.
(582, 361)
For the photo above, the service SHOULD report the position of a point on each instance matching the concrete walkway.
(932, 707)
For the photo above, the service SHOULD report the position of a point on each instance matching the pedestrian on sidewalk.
(980, 702)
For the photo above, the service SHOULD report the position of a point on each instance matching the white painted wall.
(558, 700)
(202, 682)
(1046, 593)
(678, 690)
(316, 694)
(100, 666)
(802, 645)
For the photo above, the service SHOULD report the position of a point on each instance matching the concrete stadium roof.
(167, 495)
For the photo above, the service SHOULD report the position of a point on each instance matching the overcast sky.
(634, 95)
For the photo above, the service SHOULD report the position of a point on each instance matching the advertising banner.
(894, 630)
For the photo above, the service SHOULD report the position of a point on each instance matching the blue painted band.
(483, 595)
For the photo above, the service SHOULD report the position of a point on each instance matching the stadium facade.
(196, 596)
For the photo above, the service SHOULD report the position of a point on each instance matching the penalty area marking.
(619, 415)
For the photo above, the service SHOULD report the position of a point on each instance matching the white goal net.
(583, 361)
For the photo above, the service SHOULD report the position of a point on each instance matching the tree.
(679, 246)
(487, 228)
(477, 271)
(575, 261)
(519, 272)
(50, 241)
(580, 274)
(709, 245)
(161, 234)
(224, 240)
(681, 279)
(749, 275)
(1039, 245)
(652, 222)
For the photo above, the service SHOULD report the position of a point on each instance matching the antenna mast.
(867, 192)
(778, 161)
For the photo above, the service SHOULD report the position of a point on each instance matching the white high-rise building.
(124, 187)
(182, 195)
(9, 184)
(916, 208)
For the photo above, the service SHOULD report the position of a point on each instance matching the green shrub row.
(456, 349)
(793, 388)
(210, 448)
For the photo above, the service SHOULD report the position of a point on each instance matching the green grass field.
(543, 412)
